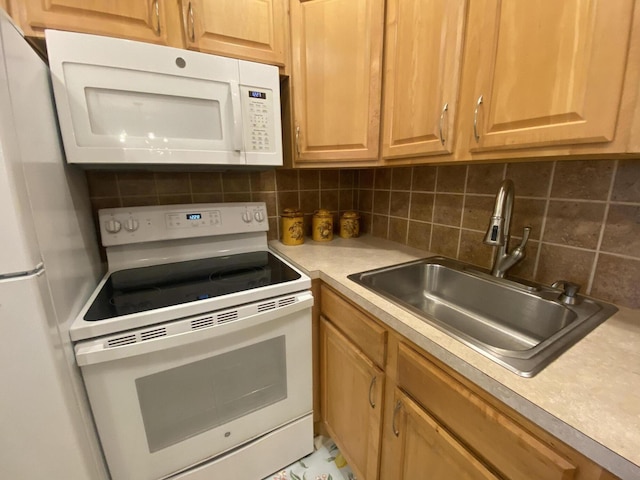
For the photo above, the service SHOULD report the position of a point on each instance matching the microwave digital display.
(254, 94)
(194, 216)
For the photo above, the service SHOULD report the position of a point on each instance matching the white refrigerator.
(49, 265)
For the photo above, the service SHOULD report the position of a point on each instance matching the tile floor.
(325, 463)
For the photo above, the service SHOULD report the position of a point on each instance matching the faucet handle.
(525, 236)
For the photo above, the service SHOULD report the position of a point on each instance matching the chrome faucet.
(498, 233)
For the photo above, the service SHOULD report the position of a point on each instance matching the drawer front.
(499, 440)
(366, 334)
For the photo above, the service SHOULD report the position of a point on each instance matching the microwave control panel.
(259, 131)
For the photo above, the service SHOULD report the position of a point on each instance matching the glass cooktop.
(140, 289)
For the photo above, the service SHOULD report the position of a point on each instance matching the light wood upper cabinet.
(422, 448)
(423, 61)
(248, 29)
(336, 72)
(144, 20)
(544, 73)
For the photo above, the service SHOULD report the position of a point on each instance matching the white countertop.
(589, 397)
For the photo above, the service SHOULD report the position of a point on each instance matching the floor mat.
(325, 463)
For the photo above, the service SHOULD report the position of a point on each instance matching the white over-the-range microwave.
(122, 103)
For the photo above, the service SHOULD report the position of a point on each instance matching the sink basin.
(521, 326)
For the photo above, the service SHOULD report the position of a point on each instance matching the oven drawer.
(165, 404)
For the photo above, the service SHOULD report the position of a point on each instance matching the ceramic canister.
(291, 227)
(350, 224)
(322, 226)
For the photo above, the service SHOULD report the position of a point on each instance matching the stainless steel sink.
(522, 326)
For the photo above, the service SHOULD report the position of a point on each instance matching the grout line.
(118, 189)
(592, 275)
(406, 236)
(544, 219)
(464, 202)
(190, 188)
(433, 210)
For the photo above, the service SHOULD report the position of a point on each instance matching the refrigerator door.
(43, 436)
(58, 196)
(19, 250)
(45, 214)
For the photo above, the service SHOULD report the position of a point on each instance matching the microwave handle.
(237, 116)
(92, 353)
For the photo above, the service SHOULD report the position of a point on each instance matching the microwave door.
(128, 116)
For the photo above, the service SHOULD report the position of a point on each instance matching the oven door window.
(182, 402)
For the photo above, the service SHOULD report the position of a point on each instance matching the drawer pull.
(371, 402)
(396, 409)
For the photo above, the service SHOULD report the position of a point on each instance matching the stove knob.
(113, 226)
(131, 225)
(259, 216)
(246, 217)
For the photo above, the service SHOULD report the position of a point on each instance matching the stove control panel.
(121, 226)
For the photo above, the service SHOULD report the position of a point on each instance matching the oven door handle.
(95, 351)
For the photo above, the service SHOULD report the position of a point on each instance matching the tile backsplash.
(309, 190)
(585, 215)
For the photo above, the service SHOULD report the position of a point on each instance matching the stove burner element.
(141, 289)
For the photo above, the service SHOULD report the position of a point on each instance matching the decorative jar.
(322, 224)
(291, 226)
(350, 224)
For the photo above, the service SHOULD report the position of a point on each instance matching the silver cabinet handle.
(396, 409)
(444, 110)
(475, 119)
(156, 11)
(298, 140)
(373, 383)
(192, 23)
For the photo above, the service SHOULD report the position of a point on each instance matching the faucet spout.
(498, 234)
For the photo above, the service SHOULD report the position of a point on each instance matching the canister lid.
(291, 212)
(350, 214)
(322, 213)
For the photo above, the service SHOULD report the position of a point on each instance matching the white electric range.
(195, 347)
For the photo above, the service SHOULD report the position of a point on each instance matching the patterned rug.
(325, 463)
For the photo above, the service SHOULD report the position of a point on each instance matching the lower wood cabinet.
(422, 448)
(397, 413)
(497, 439)
(351, 400)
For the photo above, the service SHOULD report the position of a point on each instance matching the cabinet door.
(544, 73)
(336, 82)
(351, 402)
(248, 29)
(143, 20)
(423, 59)
(421, 448)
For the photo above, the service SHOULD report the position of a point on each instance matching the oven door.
(171, 396)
